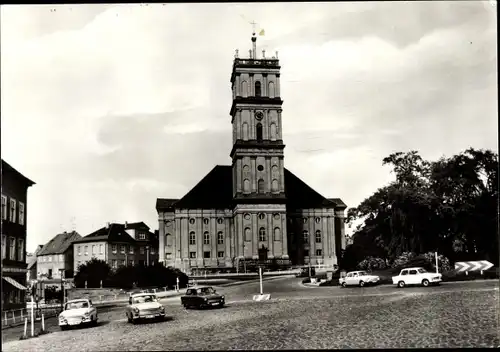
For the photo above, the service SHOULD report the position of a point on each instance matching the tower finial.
(254, 41)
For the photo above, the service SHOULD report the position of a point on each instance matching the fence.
(17, 316)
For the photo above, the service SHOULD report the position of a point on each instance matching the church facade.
(255, 209)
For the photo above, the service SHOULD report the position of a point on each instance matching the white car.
(416, 276)
(144, 306)
(358, 278)
(78, 312)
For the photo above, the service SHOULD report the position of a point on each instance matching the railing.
(17, 316)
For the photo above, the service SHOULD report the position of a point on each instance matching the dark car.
(201, 297)
(304, 272)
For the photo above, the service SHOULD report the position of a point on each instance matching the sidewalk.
(54, 311)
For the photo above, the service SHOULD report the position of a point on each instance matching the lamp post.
(147, 255)
(62, 288)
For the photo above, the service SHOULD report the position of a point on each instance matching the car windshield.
(422, 271)
(362, 273)
(76, 305)
(206, 291)
(143, 299)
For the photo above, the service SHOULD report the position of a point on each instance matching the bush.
(427, 261)
(371, 263)
(403, 259)
(148, 276)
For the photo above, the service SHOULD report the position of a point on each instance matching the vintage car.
(78, 312)
(358, 278)
(200, 297)
(144, 306)
(416, 276)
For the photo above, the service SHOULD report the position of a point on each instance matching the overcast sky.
(108, 107)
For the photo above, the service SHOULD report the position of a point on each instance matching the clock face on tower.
(259, 115)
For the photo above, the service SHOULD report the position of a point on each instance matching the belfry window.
(259, 132)
(260, 186)
(262, 234)
(257, 89)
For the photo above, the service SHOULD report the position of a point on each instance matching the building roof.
(114, 233)
(215, 191)
(8, 169)
(31, 259)
(165, 203)
(136, 225)
(59, 244)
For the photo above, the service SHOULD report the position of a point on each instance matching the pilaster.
(255, 236)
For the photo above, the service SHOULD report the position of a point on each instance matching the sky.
(108, 107)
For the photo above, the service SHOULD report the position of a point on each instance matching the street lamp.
(62, 288)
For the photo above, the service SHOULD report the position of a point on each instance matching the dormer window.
(142, 236)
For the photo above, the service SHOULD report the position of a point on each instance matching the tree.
(92, 272)
(449, 205)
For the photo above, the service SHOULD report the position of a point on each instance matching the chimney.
(126, 224)
(107, 225)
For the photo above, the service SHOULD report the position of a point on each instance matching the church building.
(254, 210)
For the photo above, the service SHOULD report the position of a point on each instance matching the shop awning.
(14, 283)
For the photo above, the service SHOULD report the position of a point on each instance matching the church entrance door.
(263, 253)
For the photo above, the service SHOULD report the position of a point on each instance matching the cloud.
(127, 103)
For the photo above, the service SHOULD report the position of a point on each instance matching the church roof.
(215, 191)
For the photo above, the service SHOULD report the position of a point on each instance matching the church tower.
(258, 157)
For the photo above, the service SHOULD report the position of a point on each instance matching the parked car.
(306, 271)
(144, 306)
(78, 312)
(201, 297)
(416, 276)
(358, 278)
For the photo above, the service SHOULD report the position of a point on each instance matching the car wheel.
(425, 282)
(344, 285)
(221, 304)
(361, 284)
(401, 284)
(129, 319)
(63, 328)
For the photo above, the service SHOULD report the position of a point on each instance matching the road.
(464, 314)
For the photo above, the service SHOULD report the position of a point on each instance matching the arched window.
(245, 131)
(260, 186)
(273, 131)
(277, 234)
(244, 89)
(318, 236)
(206, 221)
(306, 236)
(257, 89)
(246, 185)
(220, 237)
(168, 239)
(206, 238)
(274, 185)
(192, 238)
(259, 131)
(271, 90)
(262, 234)
(248, 234)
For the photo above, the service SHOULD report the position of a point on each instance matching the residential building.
(55, 259)
(14, 226)
(254, 209)
(31, 275)
(118, 245)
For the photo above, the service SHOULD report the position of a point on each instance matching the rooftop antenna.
(254, 41)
